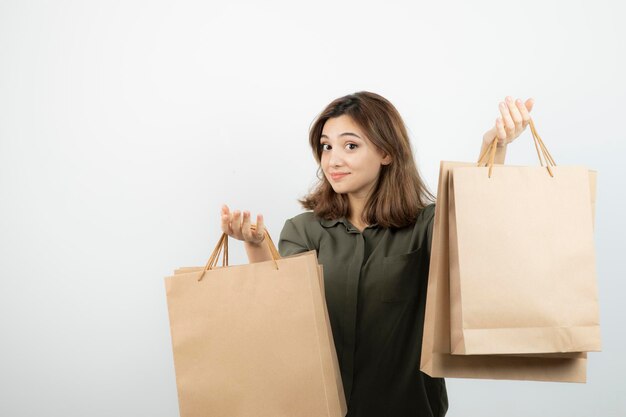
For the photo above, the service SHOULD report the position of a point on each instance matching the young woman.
(370, 222)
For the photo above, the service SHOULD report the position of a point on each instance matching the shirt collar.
(346, 223)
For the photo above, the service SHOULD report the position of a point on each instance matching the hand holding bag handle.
(488, 156)
(223, 244)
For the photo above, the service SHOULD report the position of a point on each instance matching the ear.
(386, 160)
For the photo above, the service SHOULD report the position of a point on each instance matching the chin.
(339, 190)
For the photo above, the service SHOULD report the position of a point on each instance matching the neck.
(357, 203)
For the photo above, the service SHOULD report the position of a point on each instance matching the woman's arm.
(514, 117)
(258, 252)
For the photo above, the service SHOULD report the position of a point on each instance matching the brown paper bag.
(522, 277)
(436, 357)
(522, 260)
(254, 340)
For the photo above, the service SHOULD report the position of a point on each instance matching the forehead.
(336, 126)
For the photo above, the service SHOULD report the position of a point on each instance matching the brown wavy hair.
(400, 193)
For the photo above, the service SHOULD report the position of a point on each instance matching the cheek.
(324, 163)
(372, 166)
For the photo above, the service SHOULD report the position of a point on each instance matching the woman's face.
(346, 150)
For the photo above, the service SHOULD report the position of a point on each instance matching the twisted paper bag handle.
(489, 154)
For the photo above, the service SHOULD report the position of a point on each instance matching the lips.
(338, 175)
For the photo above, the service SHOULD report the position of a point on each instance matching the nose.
(334, 159)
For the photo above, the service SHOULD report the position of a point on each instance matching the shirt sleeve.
(292, 240)
(430, 219)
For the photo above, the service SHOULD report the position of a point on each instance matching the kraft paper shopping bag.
(522, 260)
(254, 340)
(436, 357)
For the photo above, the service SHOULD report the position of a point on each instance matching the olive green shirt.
(375, 283)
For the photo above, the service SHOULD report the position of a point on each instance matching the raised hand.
(513, 119)
(235, 227)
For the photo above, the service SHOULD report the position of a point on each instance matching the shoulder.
(304, 219)
(427, 214)
(415, 234)
(301, 225)
(298, 234)
(425, 221)
(305, 223)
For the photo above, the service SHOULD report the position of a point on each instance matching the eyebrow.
(343, 134)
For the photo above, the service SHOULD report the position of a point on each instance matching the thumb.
(529, 104)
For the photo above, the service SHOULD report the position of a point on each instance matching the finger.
(226, 220)
(530, 103)
(509, 125)
(226, 228)
(500, 130)
(523, 111)
(236, 222)
(225, 210)
(515, 114)
(245, 226)
(260, 226)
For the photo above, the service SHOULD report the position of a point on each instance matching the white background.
(124, 125)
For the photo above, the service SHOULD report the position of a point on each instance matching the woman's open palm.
(234, 226)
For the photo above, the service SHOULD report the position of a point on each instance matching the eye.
(329, 147)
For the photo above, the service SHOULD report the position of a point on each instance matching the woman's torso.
(375, 285)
